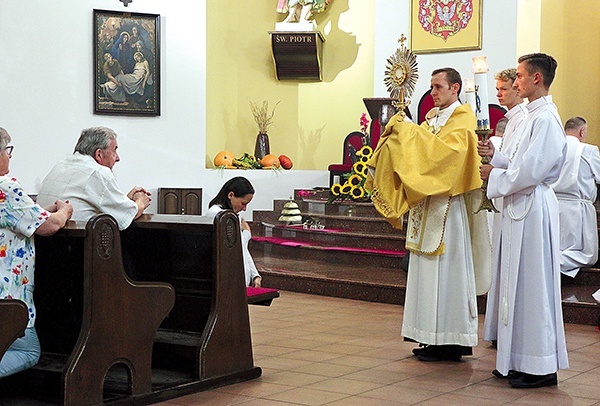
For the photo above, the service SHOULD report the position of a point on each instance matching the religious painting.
(126, 63)
(445, 25)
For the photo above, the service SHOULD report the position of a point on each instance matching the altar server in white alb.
(531, 337)
(576, 190)
(515, 116)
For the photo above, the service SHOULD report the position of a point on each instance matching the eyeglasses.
(9, 149)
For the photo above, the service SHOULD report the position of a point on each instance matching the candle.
(470, 93)
(482, 111)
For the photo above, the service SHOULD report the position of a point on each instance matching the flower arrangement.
(353, 186)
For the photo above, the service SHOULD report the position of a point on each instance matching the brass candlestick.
(486, 203)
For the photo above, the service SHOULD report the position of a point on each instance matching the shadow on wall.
(309, 143)
(340, 49)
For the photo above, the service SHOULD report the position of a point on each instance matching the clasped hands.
(485, 149)
(139, 194)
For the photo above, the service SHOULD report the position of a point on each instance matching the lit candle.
(482, 111)
(470, 92)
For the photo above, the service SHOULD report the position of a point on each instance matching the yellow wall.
(313, 118)
(569, 31)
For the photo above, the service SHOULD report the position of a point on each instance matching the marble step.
(270, 247)
(388, 241)
(374, 225)
(585, 277)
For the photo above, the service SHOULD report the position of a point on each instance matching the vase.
(261, 147)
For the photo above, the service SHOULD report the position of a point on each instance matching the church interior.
(328, 331)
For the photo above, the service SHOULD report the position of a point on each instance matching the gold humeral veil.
(417, 167)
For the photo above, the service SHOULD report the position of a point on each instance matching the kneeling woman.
(235, 195)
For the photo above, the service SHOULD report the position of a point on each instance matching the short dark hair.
(542, 63)
(575, 123)
(239, 185)
(452, 76)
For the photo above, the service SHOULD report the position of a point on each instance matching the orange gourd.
(224, 158)
(270, 161)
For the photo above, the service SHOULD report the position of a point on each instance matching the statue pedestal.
(297, 55)
(300, 26)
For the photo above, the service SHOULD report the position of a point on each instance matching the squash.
(224, 159)
(285, 161)
(270, 161)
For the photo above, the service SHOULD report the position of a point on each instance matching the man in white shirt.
(576, 190)
(530, 329)
(86, 180)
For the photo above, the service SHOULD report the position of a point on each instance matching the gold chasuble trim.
(428, 217)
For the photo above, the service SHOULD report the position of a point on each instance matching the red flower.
(364, 122)
(16, 271)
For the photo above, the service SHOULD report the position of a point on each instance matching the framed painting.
(445, 25)
(126, 63)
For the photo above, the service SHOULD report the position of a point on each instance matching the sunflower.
(365, 151)
(357, 192)
(336, 189)
(346, 188)
(355, 180)
(360, 168)
(364, 159)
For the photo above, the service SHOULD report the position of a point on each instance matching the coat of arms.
(444, 18)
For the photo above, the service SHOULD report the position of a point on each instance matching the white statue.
(301, 10)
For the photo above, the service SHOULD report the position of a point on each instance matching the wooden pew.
(13, 322)
(207, 334)
(91, 317)
(98, 336)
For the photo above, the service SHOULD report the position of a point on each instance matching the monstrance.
(401, 76)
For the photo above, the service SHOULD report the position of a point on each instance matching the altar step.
(358, 255)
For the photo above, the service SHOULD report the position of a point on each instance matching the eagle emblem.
(444, 18)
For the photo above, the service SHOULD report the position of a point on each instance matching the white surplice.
(516, 117)
(576, 190)
(527, 308)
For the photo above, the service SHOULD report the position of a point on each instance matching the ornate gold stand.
(486, 203)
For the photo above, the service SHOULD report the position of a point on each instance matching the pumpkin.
(270, 161)
(285, 161)
(224, 158)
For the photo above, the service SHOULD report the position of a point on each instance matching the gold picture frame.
(445, 25)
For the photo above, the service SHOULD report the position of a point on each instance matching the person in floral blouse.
(20, 219)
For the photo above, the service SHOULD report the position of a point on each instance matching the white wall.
(46, 90)
(498, 45)
(46, 99)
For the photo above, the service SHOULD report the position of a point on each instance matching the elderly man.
(87, 181)
(531, 335)
(431, 170)
(576, 190)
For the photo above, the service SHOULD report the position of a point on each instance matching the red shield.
(444, 18)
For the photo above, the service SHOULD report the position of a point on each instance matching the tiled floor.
(317, 350)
